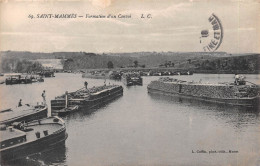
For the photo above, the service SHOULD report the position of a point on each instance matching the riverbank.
(95, 76)
(225, 72)
(106, 73)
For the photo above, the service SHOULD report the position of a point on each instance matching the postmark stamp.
(212, 37)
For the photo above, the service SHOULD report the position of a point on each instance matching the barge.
(24, 139)
(24, 113)
(85, 98)
(12, 79)
(130, 79)
(46, 73)
(18, 79)
(224, 93)
(115, 75)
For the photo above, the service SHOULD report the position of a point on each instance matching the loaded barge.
(225, 93)
(12, 79)
(24, 113)
(24, 139)
(85, 98)
(18, 79)
(130, 79)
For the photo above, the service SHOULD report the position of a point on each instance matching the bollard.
(10, 129)
(38, 134)
(45, 132)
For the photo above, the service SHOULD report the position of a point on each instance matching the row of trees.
(167, 64)
(98, 61)
(95, 61)
(246, 63)
(110, 65)
(20, 66)
(243, 63)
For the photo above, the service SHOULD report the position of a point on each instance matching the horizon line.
(132, 52)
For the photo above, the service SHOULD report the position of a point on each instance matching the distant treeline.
(85, 60)
(217, 62)
(245, 64)
(94, 61)
(20, 66)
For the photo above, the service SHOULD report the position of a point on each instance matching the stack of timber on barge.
(130, 79)
(24, 139)
(227, 93)
(24, 113)
(85, 98)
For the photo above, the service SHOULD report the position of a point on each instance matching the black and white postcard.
(130, 82)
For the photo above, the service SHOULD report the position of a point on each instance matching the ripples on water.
(233, 115)
(145, 129)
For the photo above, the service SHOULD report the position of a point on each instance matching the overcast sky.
(175, 25)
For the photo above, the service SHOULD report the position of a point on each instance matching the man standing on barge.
(44, 97)
(86, 84)
(239, 79)
(236, 79)
(20, 103)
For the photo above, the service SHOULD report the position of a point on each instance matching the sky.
(175, 25)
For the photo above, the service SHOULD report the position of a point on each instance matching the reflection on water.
(236, 115)
(145, 129)
(52, 157)
(55, 156)
(193, 102)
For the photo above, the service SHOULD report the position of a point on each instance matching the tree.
(136, 63)
(110, 65)
(36, 66)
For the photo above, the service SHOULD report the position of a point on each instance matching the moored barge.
(46, 73)
(130, 79)
(24, 113)
(226, 93)
(24, 139)
(85, 98)
(18, 79)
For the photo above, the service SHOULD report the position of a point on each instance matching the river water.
(143, 129)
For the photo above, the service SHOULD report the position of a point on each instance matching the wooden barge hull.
(59, 104)
(22, 81)
(42, 113)
(26, 139)
(28, 149)
(246, 102)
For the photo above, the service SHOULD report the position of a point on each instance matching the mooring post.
(66, 99)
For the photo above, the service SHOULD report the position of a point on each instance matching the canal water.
(143, 129)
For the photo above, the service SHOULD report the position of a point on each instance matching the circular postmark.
(212, 36)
